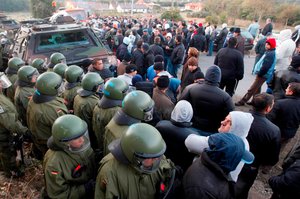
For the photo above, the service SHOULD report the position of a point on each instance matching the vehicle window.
(58, 40)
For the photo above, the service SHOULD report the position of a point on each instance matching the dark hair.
(295, 87)
(232, 42)
(139, 44)
(179, 38)
(262, 101)
(96, 60)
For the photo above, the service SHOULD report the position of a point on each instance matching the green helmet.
(25, 73)
(115, 89)
(48, 83)
(15, 63)
(60, 69)
(73, 74)
(142, 141)
(38, 63)
(70, 127)
(57, 58)
(139, 105)
(91, 81)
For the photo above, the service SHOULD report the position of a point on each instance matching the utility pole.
(131, 8)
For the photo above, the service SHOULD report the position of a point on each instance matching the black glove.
(90, 188)
(27, 137)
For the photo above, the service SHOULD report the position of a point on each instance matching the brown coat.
(163, 104)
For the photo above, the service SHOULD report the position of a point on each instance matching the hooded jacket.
(240, 126)
(284, 50)
(59, 167)
(175, 131)
(210, 104)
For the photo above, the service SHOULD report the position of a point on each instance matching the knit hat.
(295, 61)
(158, 66)
(271, 42)
(182, 112)
(163, 81)
(158, 58)
(213, 74)
(130, 68)
(137, 78)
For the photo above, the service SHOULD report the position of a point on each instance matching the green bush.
(212, 19)
(172, 14)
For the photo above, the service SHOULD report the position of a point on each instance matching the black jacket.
(210, 105)
(157, 50)
(174, 134)
(198, 41)
(264, 140)
(177, 55)
(138, 59)
(286, 115)
(231, 63)
(121, 51)
(148, 61)
(170, 44)
(206, 180)
(282, 79)
(287, 184)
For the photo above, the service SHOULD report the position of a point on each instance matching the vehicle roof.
(55, 27)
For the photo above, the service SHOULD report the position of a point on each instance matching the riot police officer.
(113, 93)
(86, 100)
(73, 76)
(14, 64)
(43, 109)
(27, 76)
(39, 64)
(136, 166)
(60, 69)
(56, 58)
(69, 164)
(11, 130)
(137, 106)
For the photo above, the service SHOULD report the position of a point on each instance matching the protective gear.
(48, 83)
(91, 81)
(73, 74)
(70, 127)
(60, 69)
(39, 64)
(57, 58)
(25, 73)
(4, 81)
(15, 63)
(139, 105)
(140, 142)
(115, 89)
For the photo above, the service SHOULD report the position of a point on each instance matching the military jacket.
(22, 97)
(118, 180)
(9, 122)
(69, 96)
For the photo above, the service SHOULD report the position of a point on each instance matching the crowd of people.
(156, 126)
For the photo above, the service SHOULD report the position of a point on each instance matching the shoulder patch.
(1, 109)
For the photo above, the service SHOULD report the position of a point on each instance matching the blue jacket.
(268, 64)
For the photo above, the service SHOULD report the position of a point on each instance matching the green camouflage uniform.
(69, 95)
(22, 97)
(118, 180)
(101, 118)
(59, 165)
(40, 117)
(9, 127)
(83, 108)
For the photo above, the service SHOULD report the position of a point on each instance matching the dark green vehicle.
(78, 43)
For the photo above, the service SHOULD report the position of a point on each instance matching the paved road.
(245, 83)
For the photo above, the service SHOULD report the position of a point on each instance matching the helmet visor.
(79, 144)
(147, 165)
(148, 114)
(4, 81)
